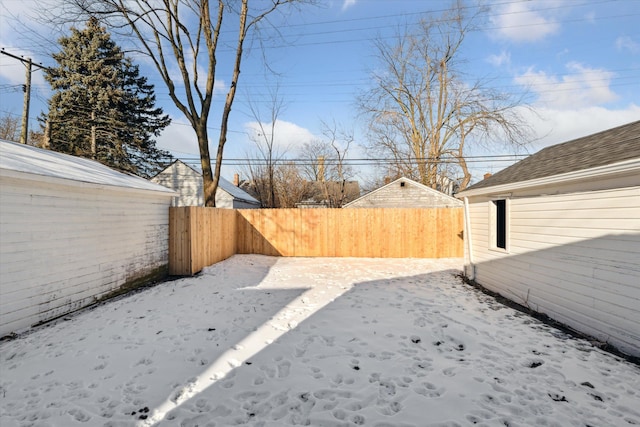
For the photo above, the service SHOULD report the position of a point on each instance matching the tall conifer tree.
(101, 107)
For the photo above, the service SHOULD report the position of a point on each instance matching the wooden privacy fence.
(203, 236)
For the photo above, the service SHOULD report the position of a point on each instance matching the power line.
(510, 158)
(618, 81)
(24, 134)
(343, 40)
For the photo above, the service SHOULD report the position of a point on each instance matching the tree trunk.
(209, 187)
(227, 106)
(93, 135)
(46, 138)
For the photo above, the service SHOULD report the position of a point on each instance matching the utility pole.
(27, 100)
(24, 134)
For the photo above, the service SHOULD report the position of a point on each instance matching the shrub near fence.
(203, 236)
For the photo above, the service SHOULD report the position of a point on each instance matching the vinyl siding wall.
(407, 196)
(188, 184)
(65, 246)
(571, 256)
(184, 181)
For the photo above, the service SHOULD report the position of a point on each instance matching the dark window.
(501, 223)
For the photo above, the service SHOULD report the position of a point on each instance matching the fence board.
(179, 249)
(420, 233)
(199, 237)
(204, 236)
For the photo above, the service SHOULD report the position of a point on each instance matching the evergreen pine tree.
(101, 107)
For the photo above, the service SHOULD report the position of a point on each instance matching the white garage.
(73, 231)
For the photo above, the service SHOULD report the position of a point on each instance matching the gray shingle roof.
(600, 149)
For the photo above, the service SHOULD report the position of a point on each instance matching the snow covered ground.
(265, 341)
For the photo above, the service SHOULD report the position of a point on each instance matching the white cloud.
(10, 12)
(288, 136)
(582, 87)
(179, 138)
(521, 22)
(504, 58)
(347, 4)
(626, 43)
(12, 69)
(18, 27)
(553, 126)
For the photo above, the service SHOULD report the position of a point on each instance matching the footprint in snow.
(252, 396)
(358, 420)
(420, 322)
(79, 415)
(284, 368)
(268, 371)
(228, 384)
(449, 372)
(331, 394)
(533, 363)
(429, 390)
(387, 389)
(389, 408)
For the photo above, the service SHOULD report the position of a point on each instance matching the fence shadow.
(397, 337)
(333, 328)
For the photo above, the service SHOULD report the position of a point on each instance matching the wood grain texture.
(204, 236)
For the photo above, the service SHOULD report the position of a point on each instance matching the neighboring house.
(405, 193)
(446, 185)
(559, 232)
(329, 194)
(73, 231)
(187, 182)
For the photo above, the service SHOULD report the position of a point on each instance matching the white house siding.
(66, 243)
(187, 182)
(184, 181)
(572, 256)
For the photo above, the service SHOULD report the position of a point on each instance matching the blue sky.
(577, 60)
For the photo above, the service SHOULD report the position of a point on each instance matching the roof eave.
(30, 176)
(624, 167)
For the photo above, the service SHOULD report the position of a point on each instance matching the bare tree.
(324, 164)
(10, 127)
(290, 186)
(336, 188)
(422, 110)
(314, 154)
(263, 160)
(185, 34)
